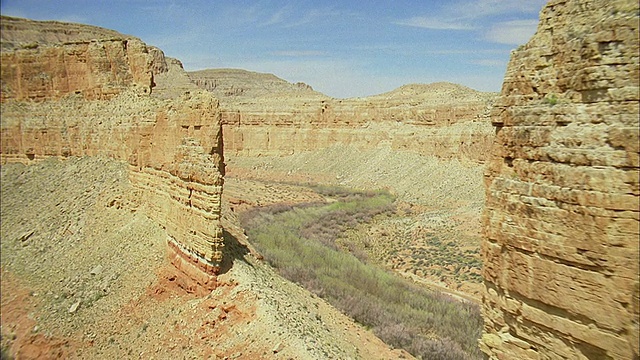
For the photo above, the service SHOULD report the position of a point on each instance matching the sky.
(348, 48)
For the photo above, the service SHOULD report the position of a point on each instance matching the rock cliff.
(561, 220)
(264, 115)
(98, 64)
(19, 33)
(89, 102)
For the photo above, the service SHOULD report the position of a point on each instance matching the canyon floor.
(84, 274)
(434, 236)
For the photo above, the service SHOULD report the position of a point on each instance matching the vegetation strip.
(300, 242)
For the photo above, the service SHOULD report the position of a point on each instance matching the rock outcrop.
(19, 33)
(279, 118)
(562, 215)
(83, 98)
(61, 63)
(244, 84)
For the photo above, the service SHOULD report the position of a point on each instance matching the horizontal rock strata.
(441, 119)
(91, 105)
(562, 215)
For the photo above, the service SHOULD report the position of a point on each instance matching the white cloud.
(480, 15)
(279, 16)
(316, 15)
(288, 16)
(435, 23)
(404, 50)
(241, 15)
(514, 32)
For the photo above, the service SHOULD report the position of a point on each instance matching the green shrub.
(4, 354)
(300, 242)
(551, 99)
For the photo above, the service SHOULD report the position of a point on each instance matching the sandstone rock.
(264, 115)
(96, 270)
(18, 33)
(562, 214)
(25, 236)
(91, 104)
(74, 307)
(49, 69)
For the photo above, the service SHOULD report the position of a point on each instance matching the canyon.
(535, 189)
(119, 177)
(425, 143)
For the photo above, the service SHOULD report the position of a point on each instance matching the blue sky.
(341, 48)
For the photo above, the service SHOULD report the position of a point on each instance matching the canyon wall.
(446, 131)
(561, 221)
(33, 70)
(265, 115)
(92, 98)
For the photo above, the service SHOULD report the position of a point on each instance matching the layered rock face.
(91, 105)
(50, 69)
(264, 115)
(562, 215)
(20, 33)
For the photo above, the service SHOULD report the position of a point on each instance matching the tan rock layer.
(445, 130)
(266, 115)
(174, 149)
(89, 103)
(17, 33)
(96, 69)
(562, 215)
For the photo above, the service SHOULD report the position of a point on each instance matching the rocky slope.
(246, 85)
(562, 213)
(85, 278)
(435, 197)
(441, 119)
